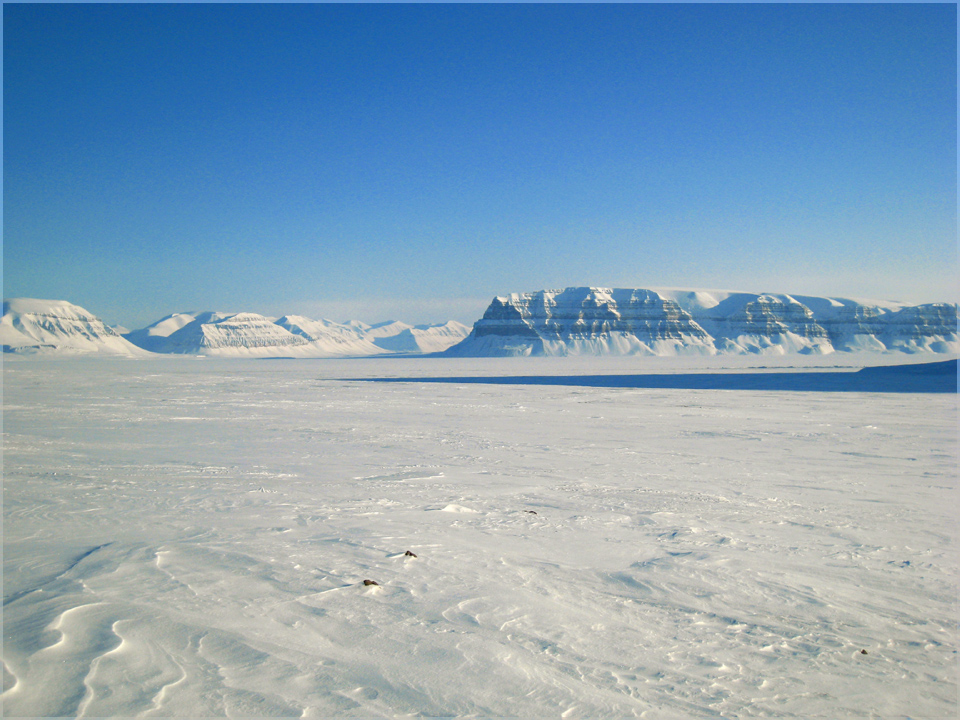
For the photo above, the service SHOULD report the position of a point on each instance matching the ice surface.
(191, 537)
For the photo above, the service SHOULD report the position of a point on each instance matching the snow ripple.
(692, 554)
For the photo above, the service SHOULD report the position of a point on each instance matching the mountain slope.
(248, 334)
(154, 336)
(236, 335)
(421, 338)
(579, 321)
(31, 326)
(330, 338)
(585, 321)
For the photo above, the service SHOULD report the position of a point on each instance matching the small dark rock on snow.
(371, 582)
(409, 554)
(863, 652)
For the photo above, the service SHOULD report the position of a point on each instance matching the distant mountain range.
(633, 321)
(574, 321)
(31, 326)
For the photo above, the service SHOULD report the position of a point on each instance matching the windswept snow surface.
(187, 537)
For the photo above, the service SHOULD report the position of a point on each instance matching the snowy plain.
(189, 537)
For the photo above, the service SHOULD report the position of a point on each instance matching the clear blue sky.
(413, 161)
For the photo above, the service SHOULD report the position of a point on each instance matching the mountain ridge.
(30, 326)
(53, 327)
(638, 321)
(571, 321)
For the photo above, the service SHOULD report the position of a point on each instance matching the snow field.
(191, 538)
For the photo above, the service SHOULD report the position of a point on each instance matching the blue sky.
(413, 161)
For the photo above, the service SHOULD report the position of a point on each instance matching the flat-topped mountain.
(603, 321)
(249, 334)
(31, 326)
(245, 333)
(56, 327)
(574, 321)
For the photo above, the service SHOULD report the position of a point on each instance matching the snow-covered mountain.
(53, 327)
(584, 321)
(418, 338)
(390, 328)
(329, 337)
(154, 337)
(251, 335)
(240, 334)
(575, 321)
(587, 320)
(31, 326)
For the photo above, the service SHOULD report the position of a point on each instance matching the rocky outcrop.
(765, 323)
(252, 335)
(922, 327)
(579, 321)
(666, 322)
(856, 327)
(574, 321)
(240, 334)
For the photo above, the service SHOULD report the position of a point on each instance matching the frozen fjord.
(190, 537)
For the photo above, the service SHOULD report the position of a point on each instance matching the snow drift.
(193, 541)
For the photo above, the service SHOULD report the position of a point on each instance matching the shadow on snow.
(938, 377)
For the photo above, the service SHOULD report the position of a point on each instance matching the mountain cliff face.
(575, 321)
(251, 335)
(763, 323)
(214, 333)
(580, 321)
(30, 326)
(922, 327)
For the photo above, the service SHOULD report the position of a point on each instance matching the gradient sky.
(413, 161)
